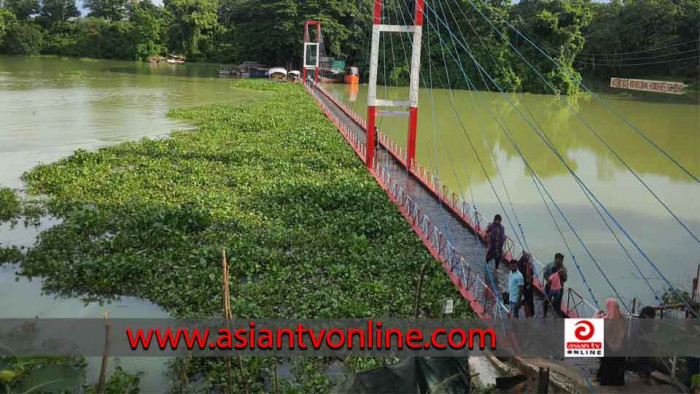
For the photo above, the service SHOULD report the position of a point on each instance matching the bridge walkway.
(458, 237)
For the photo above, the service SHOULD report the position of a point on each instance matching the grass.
(308, 231)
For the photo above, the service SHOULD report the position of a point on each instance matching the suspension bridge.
(453, 230)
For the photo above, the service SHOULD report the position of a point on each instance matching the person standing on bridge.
(612, 365)
(555, 266)
(516, 288)
(496, 236)
(555, 291)
(376, 141)
(527, 270)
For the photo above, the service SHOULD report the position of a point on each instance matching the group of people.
(522, 272)
(613, 366)
(521, 295)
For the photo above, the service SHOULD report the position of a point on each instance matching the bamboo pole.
(228, 315)
(183, 377)
(105, 355)
(277, 380)
(420, 288)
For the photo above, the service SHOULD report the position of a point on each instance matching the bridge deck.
(462, 238)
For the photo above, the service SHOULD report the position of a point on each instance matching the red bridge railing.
(482, 297)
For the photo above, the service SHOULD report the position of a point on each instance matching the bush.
(23, 38)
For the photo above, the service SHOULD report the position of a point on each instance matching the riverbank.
(273, 183)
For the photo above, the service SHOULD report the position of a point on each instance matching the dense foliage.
(306, 227)
(559, 24)
(469, 38)
(643, 38)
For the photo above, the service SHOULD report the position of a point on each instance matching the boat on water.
(277, 74)
(352, 76)
(332, 76)
(230, 69)
(294, 76)
(332, 70)
(173, 59)
(245, 69)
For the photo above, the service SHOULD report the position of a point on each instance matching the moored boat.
(277, 74)
(352, 76)
(294, 76)
(173, 59)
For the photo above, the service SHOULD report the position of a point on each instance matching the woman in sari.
(612, 366)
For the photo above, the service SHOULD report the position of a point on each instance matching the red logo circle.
(584, 330)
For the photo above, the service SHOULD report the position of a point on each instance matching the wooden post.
(183, 377)
(277, 380)
(105, 355)
(543, 381)
(228, 315)
(695, 284)
(420, 288)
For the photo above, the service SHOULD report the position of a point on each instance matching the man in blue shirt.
(516, 286)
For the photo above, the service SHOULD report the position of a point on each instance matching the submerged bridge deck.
(452, 232)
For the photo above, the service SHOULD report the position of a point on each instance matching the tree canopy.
(476, 38)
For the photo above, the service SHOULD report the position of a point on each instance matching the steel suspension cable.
(588, 252)
(444, 145)
(590, 128)
(588, 192)
(595, 95)
(523, 243)
(432, 100)
(656, 295)
(434, 117)
(483, 168)
(548, 300)
(599, 203)
(535, 179)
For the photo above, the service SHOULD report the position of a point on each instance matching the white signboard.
(647, 85)
(449, 306)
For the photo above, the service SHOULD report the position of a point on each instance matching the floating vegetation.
(41, 375)
(13, 207)
(10, 204)
(274, 184)
(10, 254)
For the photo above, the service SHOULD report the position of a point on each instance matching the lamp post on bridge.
(412, 103)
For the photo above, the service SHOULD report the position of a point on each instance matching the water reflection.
(446, 125)
(51, 106)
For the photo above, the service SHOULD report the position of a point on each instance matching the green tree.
(148, 23)
(111, 10)
(273, 30)
(556, 25)
(643, 38)
(59, 10)
(23, 38)
(7, 19)
(488, 46)
(23, 9)
(224, 41)
(195, 21)
(104, 39)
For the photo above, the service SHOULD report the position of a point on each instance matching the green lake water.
(446, 123)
